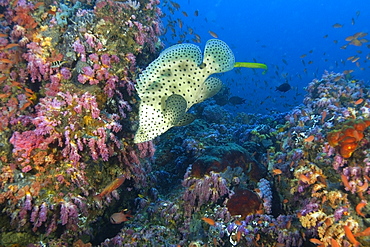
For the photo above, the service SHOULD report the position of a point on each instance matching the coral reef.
(67, 82)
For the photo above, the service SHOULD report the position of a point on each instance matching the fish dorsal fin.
(164, 66)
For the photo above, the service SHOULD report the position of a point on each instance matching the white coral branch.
(133, 4)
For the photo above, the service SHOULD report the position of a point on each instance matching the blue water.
(277, 33)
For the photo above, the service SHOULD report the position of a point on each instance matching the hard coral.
(348, 136)
(244, 202)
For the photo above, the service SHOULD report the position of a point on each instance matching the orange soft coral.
(348, 136)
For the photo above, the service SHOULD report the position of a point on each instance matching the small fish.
(196, 13)
(355, 59)
(337, 25)
(350, 236)
(209, 221)
(213, 34)
(175, 5)
(349, 38)
(359, 208)
(348, 71)
(118, 218)
(179, 21)
(285, 87)
(353, 21)
(334, 243)
(284, 61)
(184, 13)
(359, 101)
(57, 64)
(10, 46)
(363, 187)
(365, 232)
(355, 42)
(316, 241)
(310, 138)
(276, 172)
(5, 60)
(235, 100)
(110, 187)
(304, 179)
(351, 57)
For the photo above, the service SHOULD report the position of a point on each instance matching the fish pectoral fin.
(175, 109)
(187, 119)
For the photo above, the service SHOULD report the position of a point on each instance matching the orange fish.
(364, 187)
(5, 60)
(345, 181)
(238, 236)
(276, 172)
(350, 236)
(118, 218)
(323, 116)
(316, 241)
(304, 178)
(110, 187)
(359, 101)
(359, 207)
(365, 232)
(213, 34)
(310, 138)
(209, 221)
(9, 46)
(334, 243)
(5, 95)
(38, 4)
